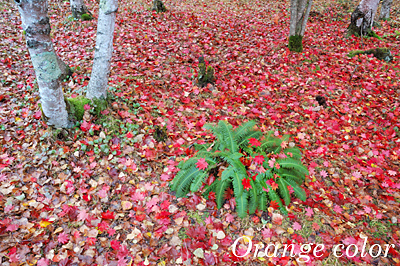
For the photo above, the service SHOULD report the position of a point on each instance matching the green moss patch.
(76, 106)
(296, 43)
(380, 53)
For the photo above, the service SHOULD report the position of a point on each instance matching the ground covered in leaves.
(98, 193)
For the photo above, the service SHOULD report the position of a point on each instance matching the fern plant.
(260, 168)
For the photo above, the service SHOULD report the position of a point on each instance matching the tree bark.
(299, 13)
(104, 49)
(362, 18)
(79, 10)
(385, 9)
(48, 67)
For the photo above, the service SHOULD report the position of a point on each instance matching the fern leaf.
(292, 174)
(245, 140)
(227, 133)
(197, 182)
(241, 205)
(220, 192)
(210, 188)
(244, 128)
(283, 190)
(254, 197)
(293, 164)
(262, 203)
(298, 191)
(218, 134)
(237, 184)
(295, 151)
(182, 188)
(177, 179)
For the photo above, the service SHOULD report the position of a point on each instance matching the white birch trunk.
(385, 9)
(299, 13)
(104, 49)
(78, 8)
(363, 17)
(48, 67)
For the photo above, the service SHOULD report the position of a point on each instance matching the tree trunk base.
(296, 43)
(81, 13)
(159, 6)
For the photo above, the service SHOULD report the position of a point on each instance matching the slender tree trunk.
(48, 67)
(385, 9)
(104, 49)
(299, 13)
(363, 18)
(79, 10)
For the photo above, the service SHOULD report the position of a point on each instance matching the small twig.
(362, 43)
(351, 76)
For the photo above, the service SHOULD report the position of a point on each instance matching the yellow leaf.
(44, 223)
(290, 230)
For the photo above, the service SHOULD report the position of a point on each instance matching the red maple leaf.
(246, 183)
(202, 164)
(85, 126)
(259, 159)
(254, 142)
(115, 244)
(108, 215)
(274, 204)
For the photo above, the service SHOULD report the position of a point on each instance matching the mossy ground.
(296, 43)
(380, 53)
(76, 106)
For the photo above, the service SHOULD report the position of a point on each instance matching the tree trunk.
(79, 10)
(48, 67)
(385, 9)
(363, 18)
(299, 13)
(104, 49)
(159, 6)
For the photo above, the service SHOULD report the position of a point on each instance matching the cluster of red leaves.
(63, 204)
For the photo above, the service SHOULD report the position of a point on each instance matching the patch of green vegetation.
(296, 43)
(86, 17)
(380, 53)
(76, 106)
(196, 216)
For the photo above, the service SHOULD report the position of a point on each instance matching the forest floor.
(99, 194)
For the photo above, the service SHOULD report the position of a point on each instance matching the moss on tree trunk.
(296, 43)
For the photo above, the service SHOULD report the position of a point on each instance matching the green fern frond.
(182, 187)
(197, 182)
(292, 174)
(220, 191)
(219, 145)
(295, 151)
(273, 196)
(290, 163)
(242, 132)
(263, 202)
(237, 184)
(201, 147)
(245, 140)
(241, 205)
(210, 188)
(193, 160)
(283, 190)
(254, 196)
(228, 136)
(298, 191)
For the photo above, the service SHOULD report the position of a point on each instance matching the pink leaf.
(63, 238)
(296, 226)
(202, 164)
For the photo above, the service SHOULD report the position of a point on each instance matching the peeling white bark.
(104, 49)
(363, 17)
(48, 67)
(78, 8)
(385, 9)
(299, 13)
